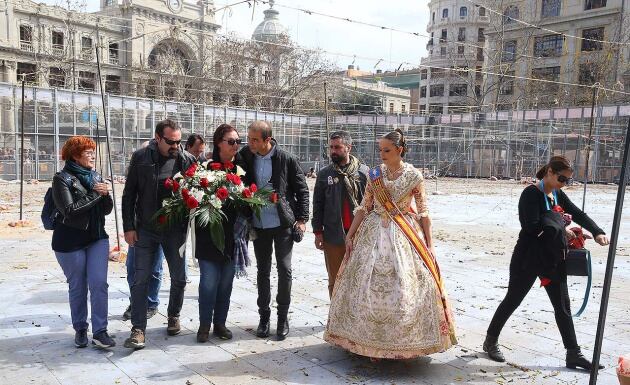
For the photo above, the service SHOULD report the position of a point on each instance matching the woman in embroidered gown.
(388, 300)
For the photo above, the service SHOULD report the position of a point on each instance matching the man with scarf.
(338, 191)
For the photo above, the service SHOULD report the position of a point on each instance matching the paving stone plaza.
(474, 246)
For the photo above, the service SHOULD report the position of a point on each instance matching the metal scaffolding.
(506, 144)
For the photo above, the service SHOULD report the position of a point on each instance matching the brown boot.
(203, 333)
(136, 340)
(173, 328)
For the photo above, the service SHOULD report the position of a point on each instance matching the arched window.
(463, 12)
(482, 11)
(445, 13)
(510, 14)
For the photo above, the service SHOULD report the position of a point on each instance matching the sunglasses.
(171, 142)
(232, 142)
(564, 179)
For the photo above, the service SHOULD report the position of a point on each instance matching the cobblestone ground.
(476, 227)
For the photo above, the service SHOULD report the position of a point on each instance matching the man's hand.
(570, 234)
(301, 225)
(131, 237)
(319, 241)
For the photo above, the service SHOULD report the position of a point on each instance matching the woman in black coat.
(217, 268)
(539, 254)
(79, 240)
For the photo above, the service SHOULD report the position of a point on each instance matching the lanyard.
(555, 196)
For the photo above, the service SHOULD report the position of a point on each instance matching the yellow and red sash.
(385, 199)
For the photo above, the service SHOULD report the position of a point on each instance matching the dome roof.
(270, 28)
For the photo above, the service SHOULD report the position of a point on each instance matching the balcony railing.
(113, 60)
(87, 54)
(57, 50)
(26, 46)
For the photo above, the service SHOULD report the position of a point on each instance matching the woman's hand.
(570, 234)
(349, 245)
(101, 188)
(602, 239)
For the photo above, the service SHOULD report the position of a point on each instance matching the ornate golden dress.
(385, 303)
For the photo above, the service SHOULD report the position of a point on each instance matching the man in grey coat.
(339, 189)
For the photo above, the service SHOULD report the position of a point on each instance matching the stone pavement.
(36, 339)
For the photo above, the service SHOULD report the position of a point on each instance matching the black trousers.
(146, 252)
(521, 282)
(280, 239)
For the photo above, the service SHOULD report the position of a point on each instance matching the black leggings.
(521, 282)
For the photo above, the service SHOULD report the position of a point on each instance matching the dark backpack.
(50, 211)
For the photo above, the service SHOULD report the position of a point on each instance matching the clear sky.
(345, 39)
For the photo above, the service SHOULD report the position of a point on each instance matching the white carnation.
(198, 194)
(216, 202)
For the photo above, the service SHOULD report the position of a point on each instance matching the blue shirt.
(269, 214)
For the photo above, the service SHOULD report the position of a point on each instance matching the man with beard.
(338, 191)
(142, 197)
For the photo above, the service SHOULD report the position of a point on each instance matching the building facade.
(448, 81)
(57, 48)
(407, 80)
(563, 41)
(356, 88)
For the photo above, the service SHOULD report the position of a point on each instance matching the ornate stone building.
(563, 41)
(158, 49)
(53, 47)
(457, 37)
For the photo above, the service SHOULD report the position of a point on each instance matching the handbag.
(578, 263)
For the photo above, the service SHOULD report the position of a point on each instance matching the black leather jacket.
(140, 196)
(288, 181)
(74, 202)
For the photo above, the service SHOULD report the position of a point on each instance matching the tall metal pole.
(326, 119)
(588, 145)
(22, 156)
(109, 147)
(610, 263)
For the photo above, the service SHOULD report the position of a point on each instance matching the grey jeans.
(146, 252)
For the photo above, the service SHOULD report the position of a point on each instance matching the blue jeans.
(215, 290)
(155, 281)
(87, 269)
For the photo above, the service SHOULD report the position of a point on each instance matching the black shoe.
(283, 328)
(263, 326)
(127, 314)
(203, 333)
(151, 313)
(491, 346)
(222, 332)
(103, 340)
(81, 338)
(575, 359)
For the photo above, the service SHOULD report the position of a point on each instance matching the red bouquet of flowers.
(200, 193)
